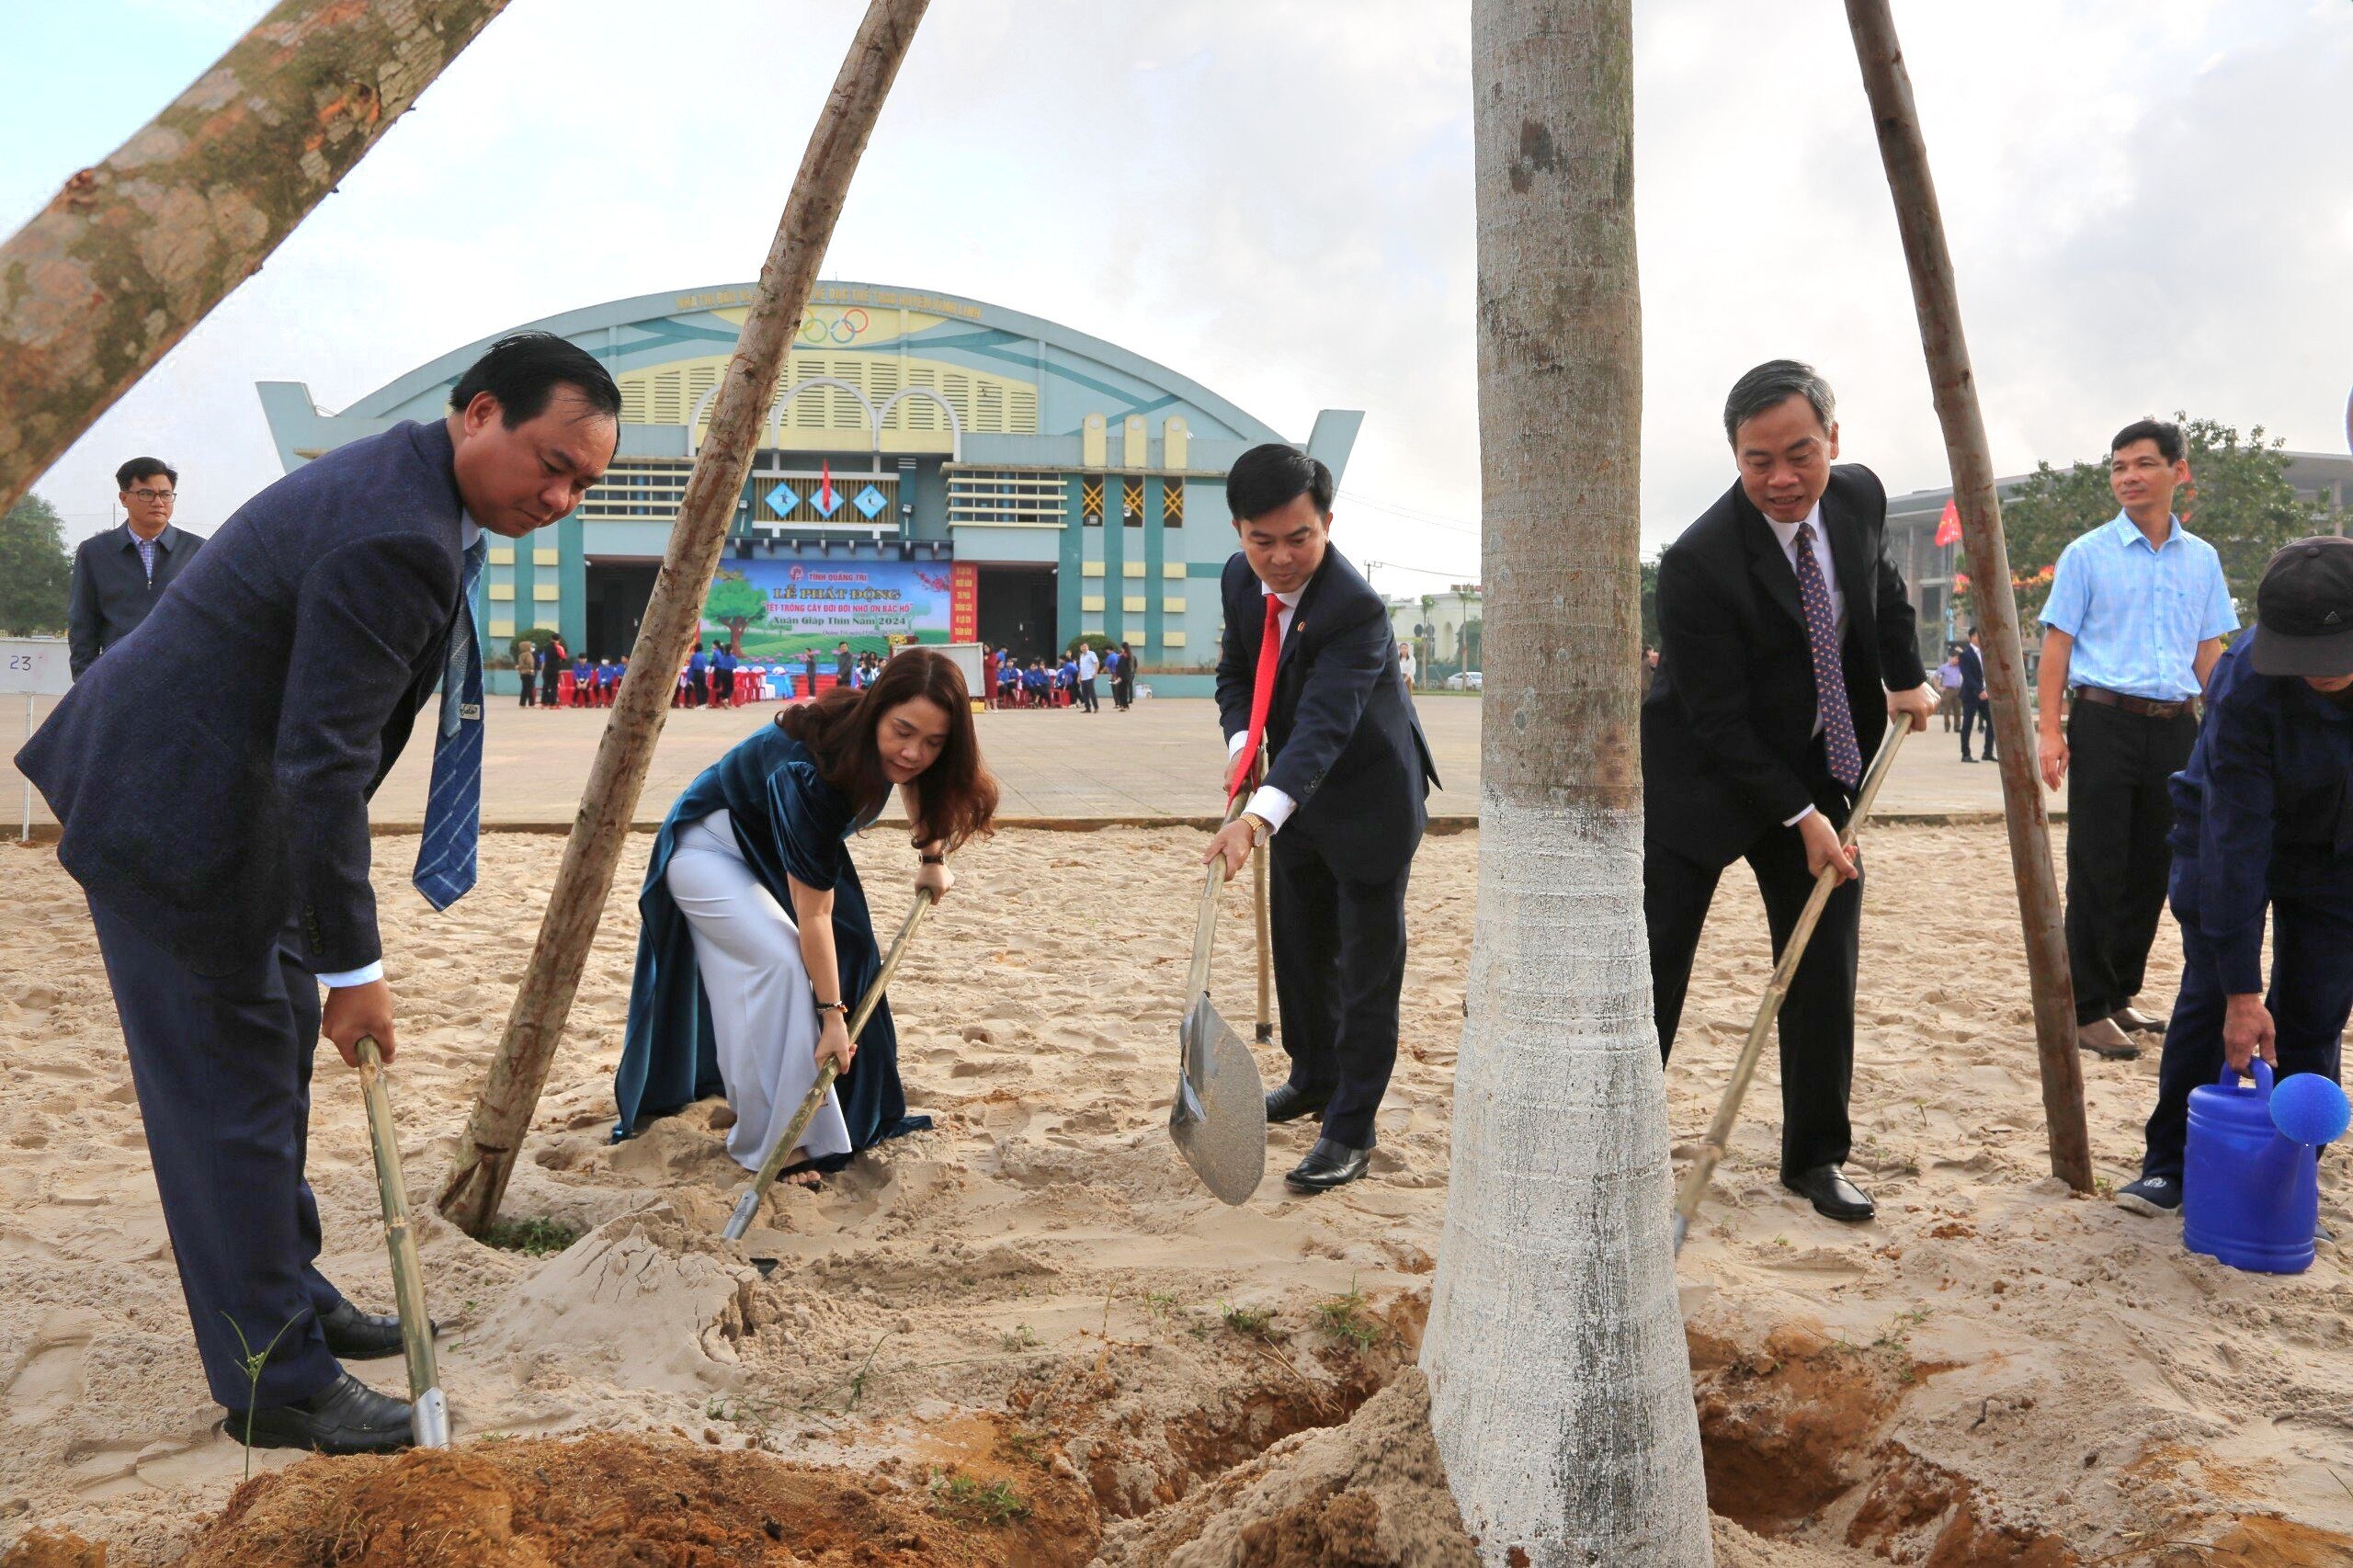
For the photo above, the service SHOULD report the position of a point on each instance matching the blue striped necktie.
(445, 860)
(1839, 746)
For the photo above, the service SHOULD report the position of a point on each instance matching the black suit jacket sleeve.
(1700, 641)
(1899, 637)
(1236, 656)
(1348, 658)
(365, 613)
(82, 625)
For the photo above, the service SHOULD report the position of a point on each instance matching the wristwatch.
(1261, 829)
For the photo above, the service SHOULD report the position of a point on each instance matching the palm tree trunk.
(1561, 1390)
(136, 251)
(510, 1092)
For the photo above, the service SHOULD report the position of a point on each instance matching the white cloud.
(2143, 195)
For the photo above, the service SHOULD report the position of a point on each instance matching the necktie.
(1262, 695)
(1829, 674)
(445, 860)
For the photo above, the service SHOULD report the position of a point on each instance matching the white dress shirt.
(1267, 803)
(468, 532)
(1787, 535)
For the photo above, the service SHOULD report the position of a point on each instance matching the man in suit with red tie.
(1787, 644)
(1309, 664)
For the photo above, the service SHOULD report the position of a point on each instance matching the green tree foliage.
(36, 573)
(1650, 603)
(735, 603)
(2238, 500)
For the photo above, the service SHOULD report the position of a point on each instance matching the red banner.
(965, 603)
(1948, 526)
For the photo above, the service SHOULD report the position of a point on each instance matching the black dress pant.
(1817, 1019)
(1339, 966)
(2119, 813)
(221, 1064)
(1975, 710)
(1087, 695)
(2311, 996)
(548, 687)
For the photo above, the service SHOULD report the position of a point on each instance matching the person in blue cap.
(2263, 821)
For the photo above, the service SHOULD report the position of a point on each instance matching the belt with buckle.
(2147, 707)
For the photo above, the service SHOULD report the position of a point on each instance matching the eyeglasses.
(166, 496)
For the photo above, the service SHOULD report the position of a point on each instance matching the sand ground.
(1991, 1357)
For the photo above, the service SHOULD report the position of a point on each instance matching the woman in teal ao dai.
(757, 941)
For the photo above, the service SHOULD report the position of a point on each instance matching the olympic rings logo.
(847, 326)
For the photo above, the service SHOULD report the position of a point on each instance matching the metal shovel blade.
(1218, 1119)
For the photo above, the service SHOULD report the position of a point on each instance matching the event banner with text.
(778, 608)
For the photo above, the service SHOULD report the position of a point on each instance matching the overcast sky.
(2148, 201)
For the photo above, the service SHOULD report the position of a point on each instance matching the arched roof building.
(1061, 483)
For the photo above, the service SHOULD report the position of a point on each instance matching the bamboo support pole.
(136, 250)
(510, 1091)
(428, 1411)
(1938, 299)
(1702, 1168)
(772, 1165)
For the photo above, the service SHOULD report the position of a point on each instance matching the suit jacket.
(1728, 748)
(1973, 674)
(111, 593)
(314, 627)
(1346, 743)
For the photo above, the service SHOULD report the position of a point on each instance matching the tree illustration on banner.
(735, 603)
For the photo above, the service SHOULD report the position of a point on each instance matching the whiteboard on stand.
(37, 666)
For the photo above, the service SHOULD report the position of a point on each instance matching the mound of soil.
(605, 1500)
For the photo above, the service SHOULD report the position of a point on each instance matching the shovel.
(1219, 1118)
(747, 1206)
(429, 1415)
(1711, 1148)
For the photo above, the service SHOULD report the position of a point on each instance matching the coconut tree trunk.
(1561, 1390)
(673, 623)
(137, 250)
(1936, 297)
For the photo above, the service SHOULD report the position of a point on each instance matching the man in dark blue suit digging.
(222, 840)
(1310, 662)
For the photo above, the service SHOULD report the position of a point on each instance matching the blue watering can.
(2250, 1184)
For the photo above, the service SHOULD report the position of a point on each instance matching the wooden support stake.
(1938, 299)
(136, 250)
(674, 618)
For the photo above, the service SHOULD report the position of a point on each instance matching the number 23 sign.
(35, 665)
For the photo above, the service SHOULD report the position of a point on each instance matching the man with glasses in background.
(119, 575)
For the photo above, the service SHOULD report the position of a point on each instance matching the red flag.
(826, 488)
(1948, 526)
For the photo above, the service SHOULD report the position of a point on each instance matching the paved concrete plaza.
(1158, 760)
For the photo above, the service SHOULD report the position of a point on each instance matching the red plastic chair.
(563, 688)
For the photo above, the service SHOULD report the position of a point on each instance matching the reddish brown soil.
(62, 1549)
(605, 1501)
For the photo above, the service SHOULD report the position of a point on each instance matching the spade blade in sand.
(1218, 1119)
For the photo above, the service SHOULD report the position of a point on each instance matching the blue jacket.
(696, 662)
(1345, 741)
(320, 613)
(789, 823)
(2264, 810)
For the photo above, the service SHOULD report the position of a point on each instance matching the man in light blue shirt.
(2136, 618)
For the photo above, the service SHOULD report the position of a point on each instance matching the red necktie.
(1262, 696)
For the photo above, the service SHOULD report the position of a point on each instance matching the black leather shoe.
(1291, 1102)
(346, 1417)
(1328, 1165)
(1831, 1194)
(354, 1336)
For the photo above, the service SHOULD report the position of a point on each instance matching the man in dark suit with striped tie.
(1787, 644)
(325, 611)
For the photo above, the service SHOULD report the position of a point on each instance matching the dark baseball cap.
(2303, 610)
